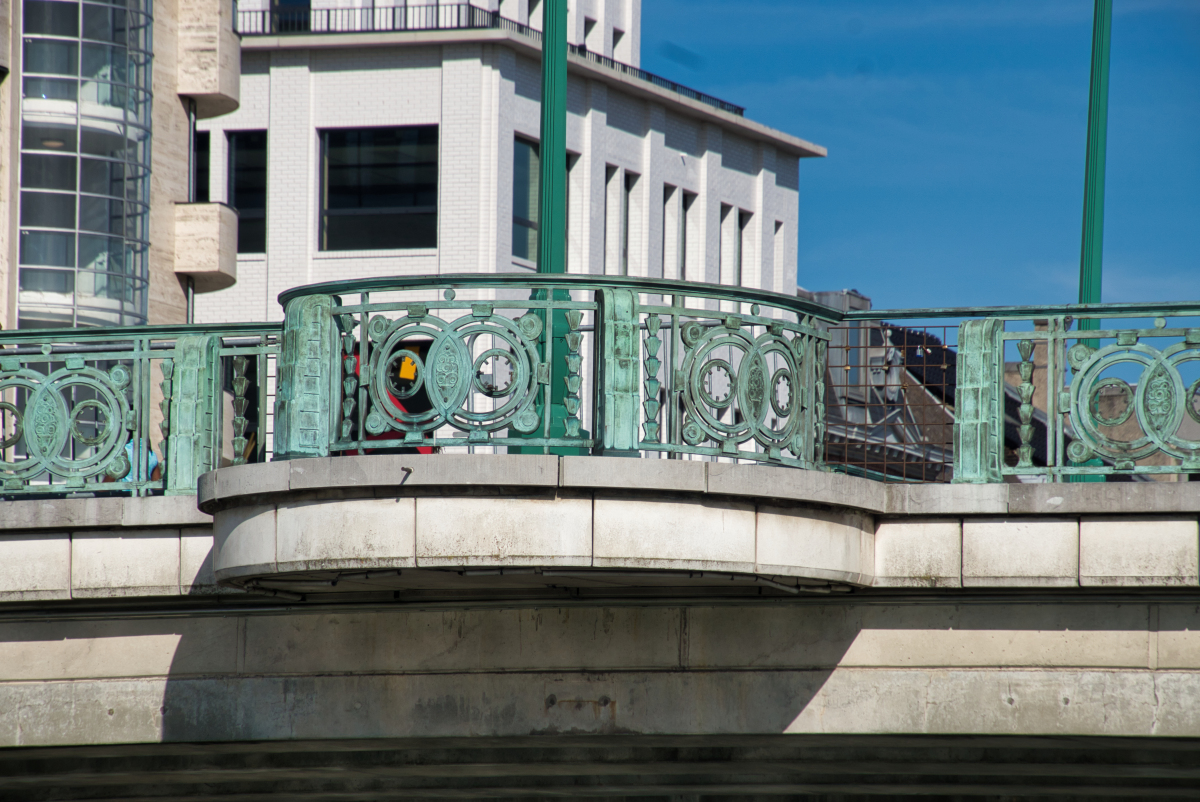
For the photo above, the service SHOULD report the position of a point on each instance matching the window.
(291, 16)
(526, 169)
(677, 204)
(618, 48)
(689, 198)
(248, 188)
(200, 156)
(379, 188)
(572, 246)
(779, 255)
(743, 221)
(626, 202)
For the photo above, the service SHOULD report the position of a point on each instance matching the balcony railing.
(607, 365)
(140, 410)
(435, 17)
(551, 364)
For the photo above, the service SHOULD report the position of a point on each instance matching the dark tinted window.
(55, 19)
(248, 188)
(100, 177)
(47, 248)
(526, 169)
(51, 55)
(48, 172)
(59, 138)
(380, 188)
(201, 154)
(47, 210)
(105, 24)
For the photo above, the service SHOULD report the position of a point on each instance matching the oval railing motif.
(142, 410)
(552, 364)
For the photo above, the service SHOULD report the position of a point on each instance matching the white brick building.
(661, 184)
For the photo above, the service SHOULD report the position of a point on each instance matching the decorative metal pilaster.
(190, 448)
(979, 403)
(652, 404)
(309, 379)
(1025, 368)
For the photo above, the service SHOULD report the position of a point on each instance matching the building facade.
(96, 111)
(402, 140)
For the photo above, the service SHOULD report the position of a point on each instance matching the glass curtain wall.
(85, 163)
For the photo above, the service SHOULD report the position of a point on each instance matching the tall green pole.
(1092, 253)
(552, 180)
(552, 218)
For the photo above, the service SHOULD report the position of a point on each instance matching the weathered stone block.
(1139, 550)
(34, 567)
(834, 545)
(704, 536)
(918, 553)
(125, 563)
(196, 563)
(492, 531)
(1020, 552)
(819, 487)
(244, 541)
(349, 534)
(634, 474)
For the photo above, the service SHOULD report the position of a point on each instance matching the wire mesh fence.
(889, 400)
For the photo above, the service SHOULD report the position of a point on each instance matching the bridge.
(569, 536)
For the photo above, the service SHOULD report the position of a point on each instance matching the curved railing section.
(551, 364)
(139, 410)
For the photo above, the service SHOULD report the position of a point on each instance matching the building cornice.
(791, 145)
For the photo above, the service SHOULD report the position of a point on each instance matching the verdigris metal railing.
(581, 365)
(551, 364)
(137, 410)
(1039, 400)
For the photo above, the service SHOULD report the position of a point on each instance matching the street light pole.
(552, 180)
(1092, 253)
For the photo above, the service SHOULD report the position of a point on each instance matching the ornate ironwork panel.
(463, 362)
(120, 411)
(1075, 403)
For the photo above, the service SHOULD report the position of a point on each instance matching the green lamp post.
(552, 210)
(1091, 255)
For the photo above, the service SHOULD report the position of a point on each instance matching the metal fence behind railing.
(1017, 394)
(455, 16)
(889, 401)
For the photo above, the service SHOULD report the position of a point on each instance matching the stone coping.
(103, 513)
(233, 486)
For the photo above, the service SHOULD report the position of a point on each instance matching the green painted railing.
(648, 365)
(1035, 402)
(475, 362)
(140, 410)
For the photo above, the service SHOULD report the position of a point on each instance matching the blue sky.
(956, 134)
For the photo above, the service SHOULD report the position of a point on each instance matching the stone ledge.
(696, 476)
(101, 513)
